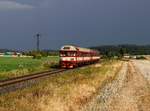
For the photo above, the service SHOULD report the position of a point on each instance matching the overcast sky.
(81, 22)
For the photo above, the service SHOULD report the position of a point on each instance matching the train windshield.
(66, 53)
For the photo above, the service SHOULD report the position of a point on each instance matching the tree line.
(120, 50)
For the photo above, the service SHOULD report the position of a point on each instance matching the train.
(73, 56)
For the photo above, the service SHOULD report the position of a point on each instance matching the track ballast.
(16, 80)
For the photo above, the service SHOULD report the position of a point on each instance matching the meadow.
(12, 67)
(69, 91)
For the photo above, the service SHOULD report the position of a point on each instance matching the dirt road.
(143, 66)
(130, 91)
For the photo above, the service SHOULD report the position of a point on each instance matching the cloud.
(9, 5)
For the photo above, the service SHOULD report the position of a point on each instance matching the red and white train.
(72, 56)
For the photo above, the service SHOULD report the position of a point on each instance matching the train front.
(68, 56)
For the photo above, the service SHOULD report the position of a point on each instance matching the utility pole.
(38, 41)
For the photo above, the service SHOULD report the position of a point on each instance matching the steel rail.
(15, 80)
(19, 79)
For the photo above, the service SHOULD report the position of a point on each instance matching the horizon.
(105, 45)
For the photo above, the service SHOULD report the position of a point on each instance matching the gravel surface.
(130, 91)
(144, 68)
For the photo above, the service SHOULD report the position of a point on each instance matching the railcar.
(73, 56)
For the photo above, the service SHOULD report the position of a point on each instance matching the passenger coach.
(72, 56)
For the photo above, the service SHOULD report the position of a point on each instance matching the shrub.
(140, 57)
(49, 64)
(37, 56)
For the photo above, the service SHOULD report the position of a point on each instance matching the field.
(11, 67)
(66, 92)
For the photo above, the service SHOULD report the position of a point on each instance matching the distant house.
(126, 56)
(9, 53)
(19, 54)
(12, 54)
(1, 54)
(134, 57)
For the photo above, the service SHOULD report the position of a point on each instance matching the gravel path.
(130, 91)
(144, 68)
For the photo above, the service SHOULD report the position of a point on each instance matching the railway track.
(20, 79)
(21, 82)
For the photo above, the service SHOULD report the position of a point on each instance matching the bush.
(140, 57)
(49, 64)
(37, 56)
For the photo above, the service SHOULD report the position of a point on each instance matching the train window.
(65, 53)
(66, 48)
(62, 54)
(71, 54)
(79, 54)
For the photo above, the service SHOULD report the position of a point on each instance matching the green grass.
(9, 65)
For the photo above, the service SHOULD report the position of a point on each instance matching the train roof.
(76, 48)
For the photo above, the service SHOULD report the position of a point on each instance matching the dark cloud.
(81, 22)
